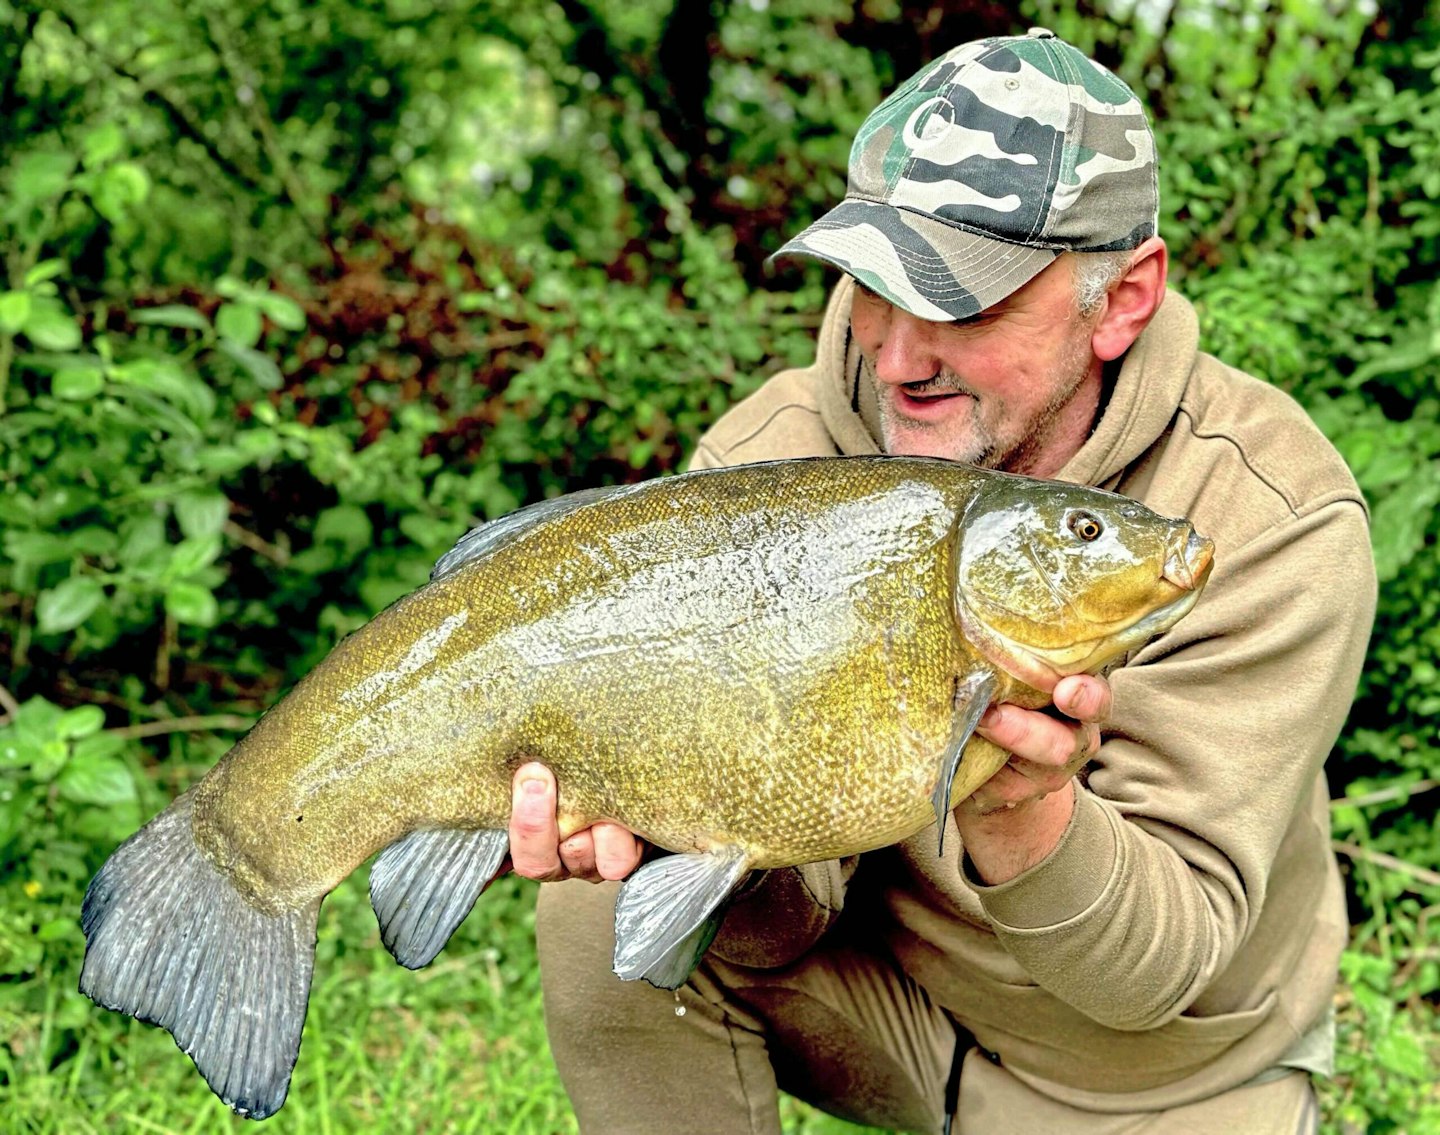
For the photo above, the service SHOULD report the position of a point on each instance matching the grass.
(458, 1047)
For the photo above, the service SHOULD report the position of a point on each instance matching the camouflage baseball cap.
(981, 169)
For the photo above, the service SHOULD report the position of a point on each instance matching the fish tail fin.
(170, 940)
(424, 885)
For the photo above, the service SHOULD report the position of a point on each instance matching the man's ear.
(1131, 303)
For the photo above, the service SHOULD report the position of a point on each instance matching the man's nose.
(906, 353)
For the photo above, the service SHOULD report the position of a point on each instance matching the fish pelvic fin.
(668, 912)
(170, 940)
(424, 885)
(972, 697)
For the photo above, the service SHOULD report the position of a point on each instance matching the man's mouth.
(930, 395)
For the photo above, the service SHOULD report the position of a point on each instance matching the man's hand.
(1015, 819)
(604, 851)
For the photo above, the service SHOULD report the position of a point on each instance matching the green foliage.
(294, 293)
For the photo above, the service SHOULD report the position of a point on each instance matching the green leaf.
(429, 531)
(192, 604)
(45, 270)
(139, 536)
(13, 816)
(1401, 520)
(93, 540)
(56, 929)
(37, 548)
(260, 367)
(179, 387)
(96, 780)
(50, 327)
(347, 525)
(102, 144)
(120, 188)
(282, 310)
(239, 322)
(202, 513)
(171, 315)
(76, 384)
(79, 722)
(99, 745)
(1401, 1052)
(66, 606)
(42, 175)
(190, 555)
(49, 761)
(14, 310)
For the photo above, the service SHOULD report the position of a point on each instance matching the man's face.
(1016, 387)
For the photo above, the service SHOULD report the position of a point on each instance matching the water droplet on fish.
(679, 1008)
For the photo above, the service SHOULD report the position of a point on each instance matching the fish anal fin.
(972, 697)
(170, 940)
(424, 885)
(667, 914)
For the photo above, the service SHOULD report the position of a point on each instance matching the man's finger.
(617, 850)
(578, 855)
(534, 835)
(1030, 735)
(1083, 697)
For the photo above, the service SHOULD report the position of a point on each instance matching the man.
(1150, 946)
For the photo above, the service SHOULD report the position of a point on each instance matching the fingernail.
(990, 718)
(532, 787)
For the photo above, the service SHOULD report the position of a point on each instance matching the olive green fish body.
(752, 667)
(760, 664)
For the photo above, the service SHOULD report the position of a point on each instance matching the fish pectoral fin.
(424, 885)
(667, 914)
(972, 698)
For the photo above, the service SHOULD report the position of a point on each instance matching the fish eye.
(1084, 525)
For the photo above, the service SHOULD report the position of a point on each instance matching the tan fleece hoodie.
(1183, 937)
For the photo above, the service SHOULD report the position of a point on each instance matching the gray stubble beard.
(985, 451)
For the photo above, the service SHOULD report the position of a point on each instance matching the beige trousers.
(841, 1028)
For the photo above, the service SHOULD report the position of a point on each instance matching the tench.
(750, 667)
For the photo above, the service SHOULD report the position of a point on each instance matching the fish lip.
(1188, 566)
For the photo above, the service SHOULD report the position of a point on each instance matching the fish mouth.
(1188, 563)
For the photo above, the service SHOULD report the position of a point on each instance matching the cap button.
(1040, 33)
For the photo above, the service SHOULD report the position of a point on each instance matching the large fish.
(752, 667)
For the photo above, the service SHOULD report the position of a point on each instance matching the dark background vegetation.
(297, 291)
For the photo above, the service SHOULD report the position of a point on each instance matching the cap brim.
(931, 269)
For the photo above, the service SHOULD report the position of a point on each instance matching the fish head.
(1055, 579)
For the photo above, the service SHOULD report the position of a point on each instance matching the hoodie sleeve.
(1219, 731)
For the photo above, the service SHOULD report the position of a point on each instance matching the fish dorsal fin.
(487, 537)
(424, 885)
(667, 913)
(972, 696)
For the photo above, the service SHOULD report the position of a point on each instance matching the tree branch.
(205, 724)
(1389, 862)
(1384, 795)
